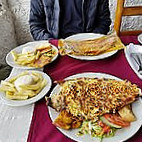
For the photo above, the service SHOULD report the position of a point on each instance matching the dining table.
(41, 127)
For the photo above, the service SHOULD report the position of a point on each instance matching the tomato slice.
(116, 119)
(100, 123)
(106, 128)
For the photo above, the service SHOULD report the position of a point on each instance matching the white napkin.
(134, 48)
(133, 53)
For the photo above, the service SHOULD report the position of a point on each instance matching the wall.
(7, 32)
(132, 22)
(20, 10)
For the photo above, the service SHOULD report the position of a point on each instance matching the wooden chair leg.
(118, 15)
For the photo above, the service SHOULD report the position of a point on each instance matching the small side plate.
(10, 61)
(42, 93)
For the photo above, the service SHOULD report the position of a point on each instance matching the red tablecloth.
(41, 129)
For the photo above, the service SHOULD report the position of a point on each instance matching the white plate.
(131, 61)
(120, 135)
(10, 61)
(140, 38)
(89, 36)
(31, 100)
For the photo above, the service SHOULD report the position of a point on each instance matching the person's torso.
(71, 17)
(77, 16)
(68, 17)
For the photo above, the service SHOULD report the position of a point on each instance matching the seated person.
(54, 19)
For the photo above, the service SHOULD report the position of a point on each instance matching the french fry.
(26, 60)
(35, 78)
(31, 93)
(37, 74)
(14, 55)
(41, 87)
(37, 55)
(16, 97)
(7, 84)
(28, 93)
(9, 93)
(4, 88)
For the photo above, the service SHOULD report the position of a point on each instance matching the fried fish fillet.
(91, 47)
(88, 98)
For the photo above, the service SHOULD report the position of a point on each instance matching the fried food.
(91, 47)
(37, 57)
(88, 98)
(66, 121)
(23, 86)
(127, 114)
(97, 106)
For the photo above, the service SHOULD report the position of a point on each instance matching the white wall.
(20, 10)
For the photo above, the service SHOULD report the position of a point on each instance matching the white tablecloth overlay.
(15, 121)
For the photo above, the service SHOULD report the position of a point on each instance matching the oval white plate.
(89, 36)
(10, 61)
(31, 100)
(120, 135)
(140, 38)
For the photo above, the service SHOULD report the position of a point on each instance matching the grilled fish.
(91, 47)
(88, 98)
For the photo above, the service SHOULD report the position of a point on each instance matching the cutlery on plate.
(138, 59)
(136, 56)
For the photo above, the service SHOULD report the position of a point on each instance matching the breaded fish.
(91, 47)
(88, 98)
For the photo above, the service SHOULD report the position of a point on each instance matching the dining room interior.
(39, 79)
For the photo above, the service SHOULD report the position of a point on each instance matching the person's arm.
(103, 17)
(37, 21)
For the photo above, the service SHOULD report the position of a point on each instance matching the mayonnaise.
(23, 80)
(28, 49)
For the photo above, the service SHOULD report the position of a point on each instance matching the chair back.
(121, 10)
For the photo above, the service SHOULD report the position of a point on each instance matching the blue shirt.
(69, 23)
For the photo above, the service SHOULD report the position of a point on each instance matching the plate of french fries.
(32, 55)
(25, 88)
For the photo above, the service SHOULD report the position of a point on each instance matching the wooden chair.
(126, 11)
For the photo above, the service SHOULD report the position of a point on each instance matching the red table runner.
(42, 129)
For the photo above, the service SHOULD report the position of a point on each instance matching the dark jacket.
(44, 18)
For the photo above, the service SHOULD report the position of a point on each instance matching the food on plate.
(23, 86)
(127, 114)
(97, 106)
(66, 121)
(35, 56)
(23, 80)
(92, 47)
